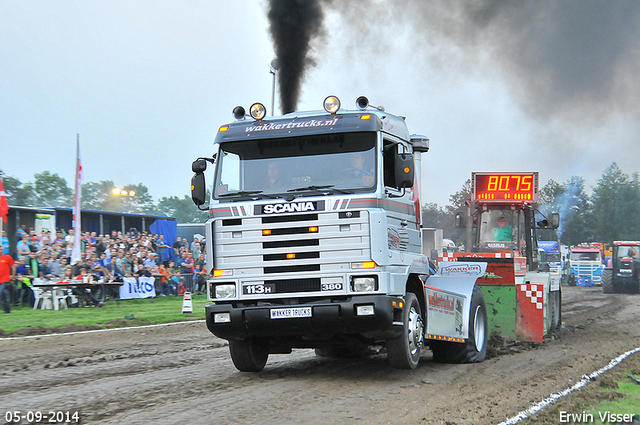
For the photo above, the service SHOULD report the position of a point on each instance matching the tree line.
(50, 190)
(611, 212)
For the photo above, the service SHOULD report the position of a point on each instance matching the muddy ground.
(182, 374)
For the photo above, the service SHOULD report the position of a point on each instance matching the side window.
(390, 150)
(230, 177)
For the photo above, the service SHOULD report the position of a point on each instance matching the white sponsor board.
(142, 287)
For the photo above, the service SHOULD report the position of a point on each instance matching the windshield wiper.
(318, 188)
(241, 193)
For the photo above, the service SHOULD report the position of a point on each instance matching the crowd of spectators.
(109, 257)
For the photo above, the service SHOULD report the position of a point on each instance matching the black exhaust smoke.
(293, 24)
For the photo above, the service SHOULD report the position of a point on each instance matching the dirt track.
(182, 374)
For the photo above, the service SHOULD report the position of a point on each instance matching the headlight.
(331, 104)
(257, 111)
(364, 284)
(226, 291)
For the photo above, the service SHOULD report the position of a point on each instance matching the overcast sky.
(499, 86)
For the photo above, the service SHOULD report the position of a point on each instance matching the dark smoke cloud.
(569, 59)
(293, 25)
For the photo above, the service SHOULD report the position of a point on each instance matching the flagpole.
(75, 253)
(2, 195)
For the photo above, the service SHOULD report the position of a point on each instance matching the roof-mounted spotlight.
(362, 102)
(239, 113)
(331, 104)
(257, 111)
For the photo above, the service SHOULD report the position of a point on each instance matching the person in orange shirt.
(7, 274)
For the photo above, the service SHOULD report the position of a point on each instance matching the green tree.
(140, 203)
(460, 198)
(574, 208)
(615, 206)
(17, 195)
(50, 190)
(132, 198)
(99, 196)
(182, 209)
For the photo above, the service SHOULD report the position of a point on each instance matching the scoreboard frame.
(505, 188)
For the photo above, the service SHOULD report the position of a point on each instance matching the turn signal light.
(218, 273)
(224, 128)
(365, 117)
(313, 229)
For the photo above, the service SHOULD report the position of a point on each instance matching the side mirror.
(542, 224)
(199, 166)
(404, 170)
(555, 220)
(198, 188)
(459, 220)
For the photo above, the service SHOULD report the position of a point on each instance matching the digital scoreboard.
(512, 188)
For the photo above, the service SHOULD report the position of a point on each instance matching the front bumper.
(327, 318)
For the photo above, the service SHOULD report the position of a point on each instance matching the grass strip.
(27, 321)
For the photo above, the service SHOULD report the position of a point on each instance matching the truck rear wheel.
(404, 351)
(607, 281)
(250, 355)
(474, 350)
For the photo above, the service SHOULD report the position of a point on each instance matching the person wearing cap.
(503, 232)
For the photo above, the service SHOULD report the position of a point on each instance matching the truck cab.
(622, 274)
(585, 265)
(315, 230)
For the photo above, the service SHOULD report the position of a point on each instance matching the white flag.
(75, 254)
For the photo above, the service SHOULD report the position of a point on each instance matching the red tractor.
(622, 274)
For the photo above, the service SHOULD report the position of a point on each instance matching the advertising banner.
(45, 223)
(142, 287)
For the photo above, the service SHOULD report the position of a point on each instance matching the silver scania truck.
(314, 241)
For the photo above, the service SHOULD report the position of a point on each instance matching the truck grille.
(296, 285)
(269, 250)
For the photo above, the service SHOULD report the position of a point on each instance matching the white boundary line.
(584, 381)
(102, 330)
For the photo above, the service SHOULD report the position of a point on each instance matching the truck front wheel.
(474, 349)
(607, 281)
(404, 351)
(250, 355)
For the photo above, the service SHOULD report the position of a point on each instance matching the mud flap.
(531, 307)
(448, 294)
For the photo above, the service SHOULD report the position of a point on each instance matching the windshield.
(628, 251)
(499, 226)
(550, 257)
(329, 162)
(585, 256)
